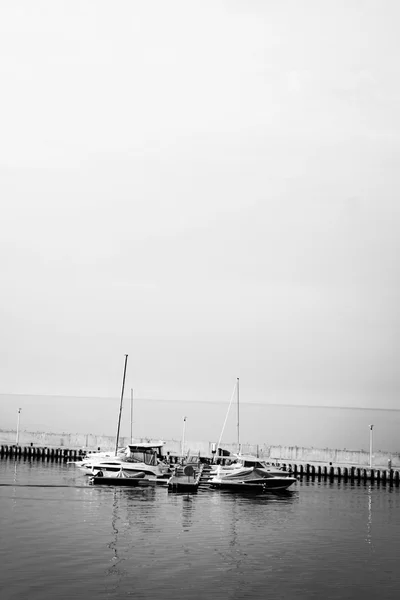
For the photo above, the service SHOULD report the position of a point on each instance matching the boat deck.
(186, 478)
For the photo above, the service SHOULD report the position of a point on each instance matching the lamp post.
(17, 438)
(183, 436)
(370, 446)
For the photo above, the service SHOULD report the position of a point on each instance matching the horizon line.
(61, 396)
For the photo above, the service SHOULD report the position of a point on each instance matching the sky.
(211, 188)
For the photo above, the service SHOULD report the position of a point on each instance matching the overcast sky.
(210, 187)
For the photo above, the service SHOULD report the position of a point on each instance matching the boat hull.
(263, 485)
(252, 479)
(112, 469)
(128, 481)
(116, 481)
(125, 479)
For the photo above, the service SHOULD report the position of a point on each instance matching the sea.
(62, 538)
(269, 424)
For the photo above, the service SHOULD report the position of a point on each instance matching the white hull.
(111, 469)
(257, 477)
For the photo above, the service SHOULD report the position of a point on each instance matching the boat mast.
(223, 427)
(238, 432)
(120, 407)
(131, 414)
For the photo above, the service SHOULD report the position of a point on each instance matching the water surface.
(61, 538)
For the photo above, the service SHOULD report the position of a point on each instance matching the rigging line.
(226, 418)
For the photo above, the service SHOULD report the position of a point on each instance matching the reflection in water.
(245, 496)
(113, 545)
(243, 517)
(235, 547)
(369, 516)
(120, 527)
(188, 503)
(115, 572)
(141, 509)
(185, 502)
(313, 542)
(15, 481)
(136, 517)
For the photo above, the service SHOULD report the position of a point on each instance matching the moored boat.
(242, 460)
(186, 477)
(140, 457)
(251, 474)
(248, 472)
(121, 479)
(88, 462)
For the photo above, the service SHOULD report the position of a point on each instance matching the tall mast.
(238, 431)
(131, 414)
(226, 418)
(120, 407)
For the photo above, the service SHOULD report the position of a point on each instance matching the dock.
(40, 453)
(343, 472)
(186, 478)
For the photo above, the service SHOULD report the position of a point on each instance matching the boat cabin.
(149, 453)
(250, 461)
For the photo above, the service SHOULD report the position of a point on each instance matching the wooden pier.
(344, 473)
(40, 453)
(186, 478)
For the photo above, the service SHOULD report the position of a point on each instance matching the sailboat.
(138, 460)
(248, 472)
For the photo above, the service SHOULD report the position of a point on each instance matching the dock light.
(370, 446)
(183, 437)
(17, 438)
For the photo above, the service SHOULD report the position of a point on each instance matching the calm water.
(61, 538)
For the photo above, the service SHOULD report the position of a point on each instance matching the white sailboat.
(137, 458)
(248, 472)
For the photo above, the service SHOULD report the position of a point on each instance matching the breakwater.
(34, 452)
(280, 454)
(331, 472)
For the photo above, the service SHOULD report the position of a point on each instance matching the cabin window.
(248, 463)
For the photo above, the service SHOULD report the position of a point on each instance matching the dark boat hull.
(261, 485)
(132, 481)
(120, 481)
(183, 487)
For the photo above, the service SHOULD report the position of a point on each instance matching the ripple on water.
(318, 541)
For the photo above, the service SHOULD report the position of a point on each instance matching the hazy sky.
(210, 187)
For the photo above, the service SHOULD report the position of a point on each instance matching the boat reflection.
(187, 503)
(113, 545)
(188, 506)
(277, 497)
(135, 510)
